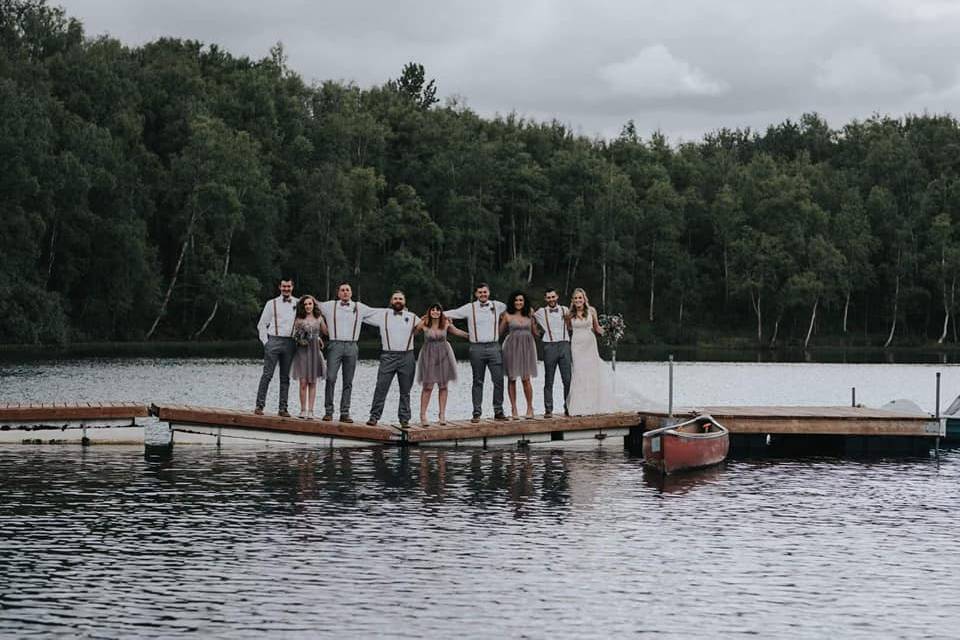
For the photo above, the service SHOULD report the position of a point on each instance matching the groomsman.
(483, 319)
(344, 318)
(552, 319)
(397, 328)
(276, 333)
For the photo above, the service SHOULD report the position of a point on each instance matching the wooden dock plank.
(70, 411)
(247, 420)
(809, 420)
(465, 430)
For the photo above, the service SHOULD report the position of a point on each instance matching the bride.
(591, 390)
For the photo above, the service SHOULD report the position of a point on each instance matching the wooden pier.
(231, 423)
(760, 429)
(60, 422)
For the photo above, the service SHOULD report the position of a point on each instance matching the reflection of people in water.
(433, 472)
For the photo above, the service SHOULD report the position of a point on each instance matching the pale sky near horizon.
(685, 67)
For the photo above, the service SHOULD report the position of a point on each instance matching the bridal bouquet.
(613, 328)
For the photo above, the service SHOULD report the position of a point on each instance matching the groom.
(552, 319)
(397, 328)
(483, 321)
(276, 334)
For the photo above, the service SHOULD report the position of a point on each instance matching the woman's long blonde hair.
(586, 303)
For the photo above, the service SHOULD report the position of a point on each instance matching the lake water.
(570, 541)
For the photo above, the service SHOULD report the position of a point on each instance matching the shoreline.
(370, 349)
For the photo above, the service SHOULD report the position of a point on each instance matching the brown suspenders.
(276, 321)
(356, 317)
(386, 331)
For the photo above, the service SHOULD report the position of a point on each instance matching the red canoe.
(696, 443)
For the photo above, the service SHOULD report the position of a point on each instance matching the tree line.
(160, 191)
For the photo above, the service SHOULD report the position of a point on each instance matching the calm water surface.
(548, 542)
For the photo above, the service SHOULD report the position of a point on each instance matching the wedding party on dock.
(479, 320)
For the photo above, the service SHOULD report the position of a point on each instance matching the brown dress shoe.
(499, 416)
(404, 424)
(548, 415)
(258, 411)
(475, 419)
(283, 413)
(370, 423)
(327, 418)
(345, 418)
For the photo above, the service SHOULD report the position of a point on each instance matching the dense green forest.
(158, 192)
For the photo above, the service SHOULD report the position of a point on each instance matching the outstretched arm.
(457, 332)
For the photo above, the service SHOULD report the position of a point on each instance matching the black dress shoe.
(345, 418)
(404, 424)
(258, 411)
(370, 423)
(475, 419)
(548, 415)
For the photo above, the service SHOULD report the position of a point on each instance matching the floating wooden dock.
(231, 423)
(60, 422)
(785, 420)
(831, 430)
(760, 429)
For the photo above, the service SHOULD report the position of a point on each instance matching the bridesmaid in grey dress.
(308, 364)
(436, 364)
(519, 349)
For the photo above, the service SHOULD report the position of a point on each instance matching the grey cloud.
(684, 67)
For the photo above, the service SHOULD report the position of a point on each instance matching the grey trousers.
(277, 350)
(340, 353)
(403, 365)
(556, 354)
(486, 355)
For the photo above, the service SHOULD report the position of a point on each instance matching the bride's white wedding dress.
(591, 387)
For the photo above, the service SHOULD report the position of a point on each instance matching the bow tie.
(286, 298)
(398, 313)
(484, 304)
(554, 310)
(344, 304)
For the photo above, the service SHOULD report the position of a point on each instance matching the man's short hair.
(287, 278)
(344, 283)
(548, 290)
(396, 291)
(482, 285)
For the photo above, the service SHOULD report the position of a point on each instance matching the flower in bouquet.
(613, 329)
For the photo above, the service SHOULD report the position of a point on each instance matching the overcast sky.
(682, 66)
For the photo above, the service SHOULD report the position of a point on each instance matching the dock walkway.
(61, 422)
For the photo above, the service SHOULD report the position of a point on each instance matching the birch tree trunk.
(946, 309)
(755, 303)
(813, 318)
(653, 273)
(846, 311)
(216, 304)
(896, 302)
(176, 272)
(776, 331)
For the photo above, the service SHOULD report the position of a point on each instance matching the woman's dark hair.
(441, 321)
(302, 311)
(511, 307)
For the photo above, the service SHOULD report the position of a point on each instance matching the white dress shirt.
(344, 319)
(483, 320)
(553, 322)
(396, 328)
(277, 318)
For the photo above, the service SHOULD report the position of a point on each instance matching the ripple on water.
(573, 542)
